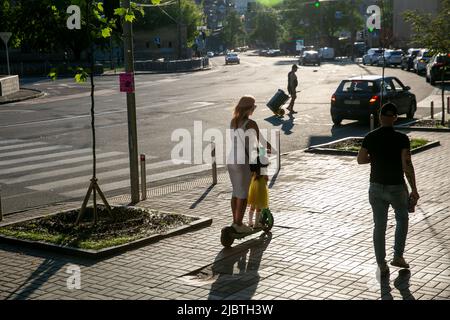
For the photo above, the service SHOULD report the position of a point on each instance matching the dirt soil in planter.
(431, 123)
(347, 145)
(123, 225)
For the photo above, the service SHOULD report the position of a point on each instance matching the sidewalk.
(320, 247)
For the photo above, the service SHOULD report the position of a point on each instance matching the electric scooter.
(228, 234)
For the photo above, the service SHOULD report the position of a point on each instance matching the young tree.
(233, 29)
(268, 28)
(432, 33)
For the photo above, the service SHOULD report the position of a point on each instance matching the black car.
(309, 57)
(436, 68)
(408, 59)
(357, 98)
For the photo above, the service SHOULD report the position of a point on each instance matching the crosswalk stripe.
(58, 162)
(78, 180)
(55, 173)
(28, 151)
(22, 145)
(45, 156)
(10, 141)
(150, 178)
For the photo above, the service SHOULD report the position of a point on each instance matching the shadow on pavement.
(286, 125)
(202, 197)
(401, 283)
(385, 287)
(238, 274)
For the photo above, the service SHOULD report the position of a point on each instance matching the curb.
(95, 254)
(37, 94)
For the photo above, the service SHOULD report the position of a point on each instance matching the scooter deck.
(240, 235)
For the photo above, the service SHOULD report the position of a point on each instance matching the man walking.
(292, 86)
(388, 153)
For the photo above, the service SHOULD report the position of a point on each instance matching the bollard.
(143, 178)
(214, 163)
(448, 105)
(372, 122)
(432, 110)
(278, 151)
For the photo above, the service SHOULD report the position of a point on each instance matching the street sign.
(157, 40)
(126, 82)
(5, 36)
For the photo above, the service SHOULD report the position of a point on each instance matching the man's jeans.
(380, 197)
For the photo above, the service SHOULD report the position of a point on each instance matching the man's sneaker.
(384, 269)
(399, 262)
(241, 228)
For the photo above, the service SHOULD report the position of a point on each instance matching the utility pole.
(131, 109)
(179, 29)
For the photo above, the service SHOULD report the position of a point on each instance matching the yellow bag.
(258, 193)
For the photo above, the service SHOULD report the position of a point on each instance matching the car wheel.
(412, 110)
(427, 79)
(402, 67)
(336, 120)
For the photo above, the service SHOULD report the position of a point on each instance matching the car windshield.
(396, 53)
(232, 54)
(357, 86)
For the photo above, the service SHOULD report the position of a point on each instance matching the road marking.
(22, 145)
(55, 173)
(28, 151)
(58, 162)
(150, 178)
(101, 176)
(45, 156)
(10, 141)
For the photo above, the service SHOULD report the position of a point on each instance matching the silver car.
(391, 58)
(421, 61)
(372, 56)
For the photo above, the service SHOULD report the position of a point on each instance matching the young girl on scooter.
(258, 197)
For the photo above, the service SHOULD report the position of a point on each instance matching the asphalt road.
(45, 143)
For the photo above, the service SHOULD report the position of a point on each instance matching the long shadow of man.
(238, 274)
(401, 283)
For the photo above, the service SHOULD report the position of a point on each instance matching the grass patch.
(122, 226)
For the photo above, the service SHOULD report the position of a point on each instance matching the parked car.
(421, 61)
(210, 54)
(372, 56)
(436, 67)
(390, 58)
(232, 57)
(359, 97)
(309, 57)
(326, 53)
(408, 59)
(274, 52)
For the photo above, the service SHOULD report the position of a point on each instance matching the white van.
(326, 53)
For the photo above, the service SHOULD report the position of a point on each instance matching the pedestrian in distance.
(245, 136)
(292, 87)
(389, 155)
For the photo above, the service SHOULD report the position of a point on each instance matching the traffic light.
(317, 4)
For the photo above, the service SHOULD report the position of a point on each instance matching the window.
(358, 86)
(397, 85)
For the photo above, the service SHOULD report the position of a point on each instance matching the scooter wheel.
(226, 237)
(267, 220)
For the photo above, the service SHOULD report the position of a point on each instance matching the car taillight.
(333, 98)
(374, 99)
(439, 64)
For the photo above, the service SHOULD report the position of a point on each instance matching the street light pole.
(179, 29)
(131, 109)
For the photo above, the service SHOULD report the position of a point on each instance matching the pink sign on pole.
(127, 82)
